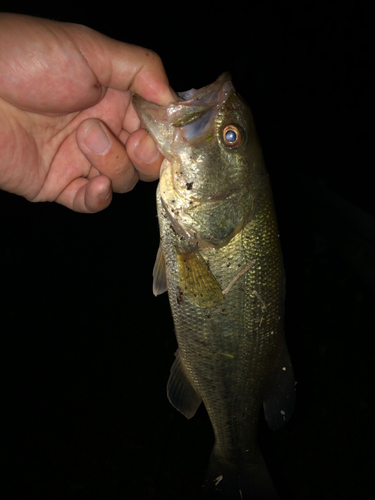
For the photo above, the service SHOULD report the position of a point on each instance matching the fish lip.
(140, 104)
(154, 119)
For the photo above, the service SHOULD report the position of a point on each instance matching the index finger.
(123, 66)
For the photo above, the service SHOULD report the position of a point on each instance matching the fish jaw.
(154, 119)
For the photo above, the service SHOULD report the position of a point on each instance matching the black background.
(86, 346)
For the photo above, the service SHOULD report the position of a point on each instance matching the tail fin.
(249, 481)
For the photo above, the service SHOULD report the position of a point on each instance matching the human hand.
(68, 130)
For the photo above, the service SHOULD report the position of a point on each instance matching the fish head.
(211, 153)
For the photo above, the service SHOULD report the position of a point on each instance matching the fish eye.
(232, 136)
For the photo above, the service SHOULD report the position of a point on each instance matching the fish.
(220, 260)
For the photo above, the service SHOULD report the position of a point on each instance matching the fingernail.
(96, 139)
(146, 150)
(105, 192)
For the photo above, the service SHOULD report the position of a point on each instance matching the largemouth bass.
(221, 262)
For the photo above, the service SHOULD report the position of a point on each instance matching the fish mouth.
(182, 121)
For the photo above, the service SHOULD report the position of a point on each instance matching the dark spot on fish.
(180, 297)
(223, 310)
(189, 185)
(228, 264)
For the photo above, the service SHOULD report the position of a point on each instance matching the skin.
(68, 130)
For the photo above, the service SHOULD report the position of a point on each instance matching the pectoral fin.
(180, 391)
(279, 403)
(196, 279)
(159, 274)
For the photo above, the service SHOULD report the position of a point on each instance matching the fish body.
(221, 262)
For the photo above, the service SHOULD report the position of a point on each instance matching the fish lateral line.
(238, 276)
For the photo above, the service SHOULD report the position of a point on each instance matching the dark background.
(86, 346)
